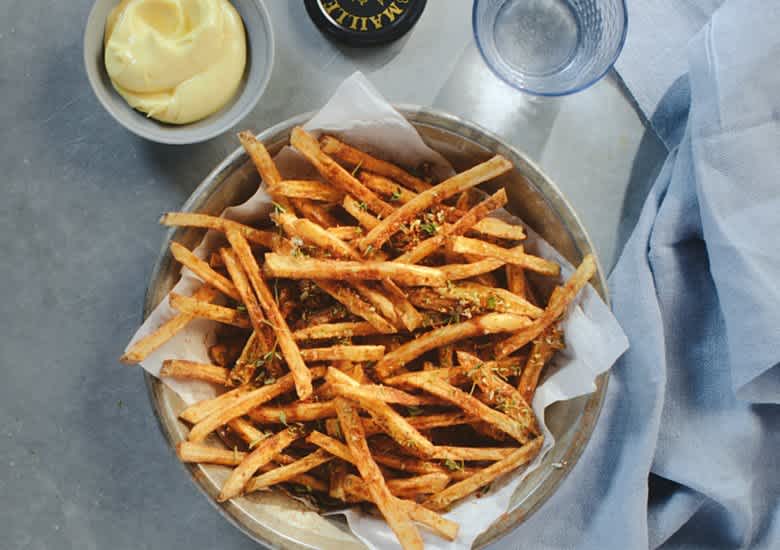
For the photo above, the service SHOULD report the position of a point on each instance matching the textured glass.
(550, 47)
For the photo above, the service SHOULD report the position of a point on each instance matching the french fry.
(462, 220)
(475, 247)
(393, 423)
(206, 310)
(205, 454)
(462, 489)
(490, 298)
(332, 446)
(433, 477)
(256, 316)
(418, 466)
(499, 229)
(315, 234)
(199, 411)
(409, 317)
(356, 305)
(246, 365)
(517, 282)
(218, 354)
(332, 172)
(306, 189)
(290, 351)
(423, 423)
(430, 299)
(486, 324)
(288, 472)
(397, 518)
(143, 347)
(190, 370)
(396, 193)
(260, 157)
(359, 211)
(329, 314)
(266, 239)
(412, 487)
(202, 269)
(334, 331)
(447, 452)
(378, 299)
(385, 394)
(464, 201)
(346, 232)
(247, 432)
(289, 267)
(443, 527)
(309, 482)
(296, 412)
(338, 473)
(344, 353)
(559, 301)
(244, 403)
(497, 392)
(354, 157)
(474, 176)
(471, 405)
(395, 308)
(316, 212)
(262, 455)
(544, 347)
(458, 272)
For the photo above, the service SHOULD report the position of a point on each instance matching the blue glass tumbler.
(550, 47)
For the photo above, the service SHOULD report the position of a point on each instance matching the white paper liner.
(594, 340)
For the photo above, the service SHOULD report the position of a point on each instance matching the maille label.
(363, 22)
(364, 15)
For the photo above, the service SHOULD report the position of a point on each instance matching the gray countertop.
(82, 463)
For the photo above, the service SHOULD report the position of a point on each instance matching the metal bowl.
(280, 521)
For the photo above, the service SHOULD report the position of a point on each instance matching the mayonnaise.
(176, 60)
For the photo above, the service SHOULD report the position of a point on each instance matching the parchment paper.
(594, 340)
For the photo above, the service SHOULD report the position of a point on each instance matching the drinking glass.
(550, 47)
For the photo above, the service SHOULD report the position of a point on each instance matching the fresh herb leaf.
(283, 418)
(414, 411)
(429, 227)
(278, 208)
(453, 465)
(369, 249)
(484, 490)
(491, 302)
(241, 307)
(396, 195)
(363, 206)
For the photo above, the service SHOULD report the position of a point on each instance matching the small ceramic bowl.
(259, 62)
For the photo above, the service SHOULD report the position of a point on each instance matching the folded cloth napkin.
(685, 454)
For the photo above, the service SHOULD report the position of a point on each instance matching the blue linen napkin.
(685, 454)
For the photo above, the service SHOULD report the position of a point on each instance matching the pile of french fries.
(380, 340)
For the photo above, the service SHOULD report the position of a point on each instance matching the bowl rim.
(587, 84)
(550, 192)
(219, 125)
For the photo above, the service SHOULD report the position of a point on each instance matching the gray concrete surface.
(82, 464)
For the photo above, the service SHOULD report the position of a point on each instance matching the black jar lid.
(365, 22)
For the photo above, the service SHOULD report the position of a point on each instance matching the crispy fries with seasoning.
(376, 341)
